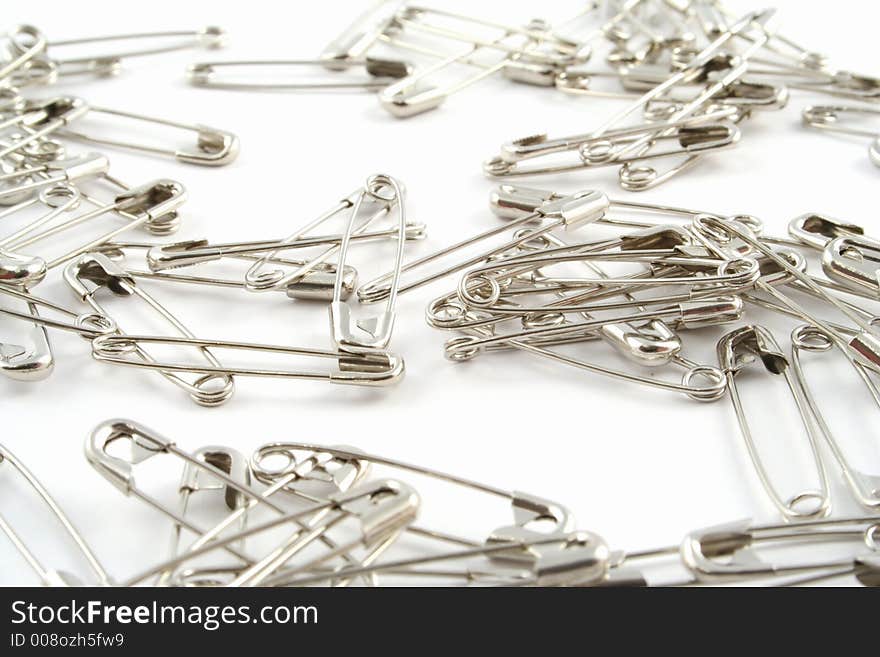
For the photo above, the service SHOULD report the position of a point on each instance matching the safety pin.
(196, 480)
(380, 73)
(257, 279)
(373, 333)
(26, 44)
(318, 283)
(59, 199)
(728, 551)
(69, 170)
(865, 487)
(861, 343)
(42, 118)
(208, 37)
(736, 351)
(690, 137)
(567, 212)
(826, 117)
(213, 147)
(192, 252)
(50, 577)
(153, 204)
(94, 271)
(374, 369)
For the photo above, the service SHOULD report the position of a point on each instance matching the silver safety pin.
(854, 262)
(380, 72)
(93, 272)
(318, 283)
(373, 333)
(359, 37)
(374, 369)
(49, 577)
(736, 351)
(213, 147)
(817, 230)
(192, 252)
(153, 204)
(826, 117)
(865, 487)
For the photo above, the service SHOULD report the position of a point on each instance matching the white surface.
(641, 467)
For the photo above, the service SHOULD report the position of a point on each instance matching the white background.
(639, 466)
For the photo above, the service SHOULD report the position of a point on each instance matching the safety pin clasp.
(229, 461)
(817, 230)
(140, 442)
(94, 271)
(854, 262)
(28, 363)
(19, 269)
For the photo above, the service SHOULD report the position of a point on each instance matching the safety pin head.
(817, 230)
(155, 199)
(140, 444)
(854, 262)
(700, 551)
(227, 460)
(93, 271)
(381, 507)
(28, 363)
(214, 148)
(63, 109)
(23, 270)
(740, 347)
(379, 368)
(374, 332)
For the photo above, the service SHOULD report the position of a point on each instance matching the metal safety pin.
(258, 279)
(374, 369)
(373, 333)
(380, 72)
(88, 325)
(567, 212)
(50, 577)
(94, 271)
(192, 252)
(865, 487)
(154, 204)
(68, 170)
(213, 147)
(728, 551)
(208, 37)
(690, 135)
(825, 117)
(736, 351)
(318, 283)
(359, 37)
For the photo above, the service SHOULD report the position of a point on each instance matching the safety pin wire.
(210, 37)
(24, 54)
(72, 532)
(89, 325)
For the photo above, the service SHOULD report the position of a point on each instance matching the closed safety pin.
(855, 263)
(379, 368)
(103, 63)
(316, 284)
(865, 487)
(825, 117)
(154, 204)
(192, 252)
(380, 73)
(259, 279)
(817, 230)
(49, 577)
(213, 147)
(94, 272)
(737, 350)
(368, 335)
(728, 551)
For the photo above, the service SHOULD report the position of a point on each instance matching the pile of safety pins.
(692, 70)
(564, 272)
(297, 514)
